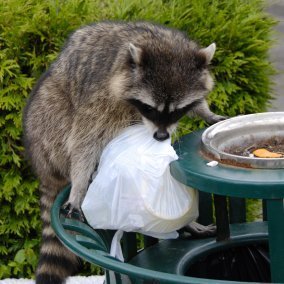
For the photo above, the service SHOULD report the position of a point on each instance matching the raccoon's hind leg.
(200, 231)
(56, 262)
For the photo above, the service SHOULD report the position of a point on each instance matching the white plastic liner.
(134, 191)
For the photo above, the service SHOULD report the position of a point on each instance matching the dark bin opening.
(248, 263)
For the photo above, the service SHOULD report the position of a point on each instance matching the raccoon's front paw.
(73, 212)
(216, 118)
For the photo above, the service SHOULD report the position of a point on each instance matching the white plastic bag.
(134, 190)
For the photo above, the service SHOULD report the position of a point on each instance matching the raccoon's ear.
(136, 53)
(208, 52)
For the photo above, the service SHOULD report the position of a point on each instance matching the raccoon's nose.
(161, 135)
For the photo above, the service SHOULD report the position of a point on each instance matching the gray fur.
(93, 90)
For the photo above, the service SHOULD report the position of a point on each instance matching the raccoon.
(108, 76)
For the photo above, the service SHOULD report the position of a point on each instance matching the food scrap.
(263, 153)
(212, 164)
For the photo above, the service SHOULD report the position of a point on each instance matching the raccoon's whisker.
(175, 136)
(184, 129)
(187, 130)
(194, 133)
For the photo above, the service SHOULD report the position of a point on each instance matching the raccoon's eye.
(179, 113)
(132, 65)
(147, 108)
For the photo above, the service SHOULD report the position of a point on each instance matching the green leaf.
(20, 256)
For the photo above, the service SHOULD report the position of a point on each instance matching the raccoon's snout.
(161, 135)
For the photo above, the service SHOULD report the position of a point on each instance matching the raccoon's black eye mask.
(164, 117)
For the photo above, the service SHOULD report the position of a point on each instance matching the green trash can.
(168, 261)
(242, 251)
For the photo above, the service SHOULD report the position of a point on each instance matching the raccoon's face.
(161, 119)
(168, 84)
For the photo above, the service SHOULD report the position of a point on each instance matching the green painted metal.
(83, 246)
(191, 169)
(165, 262)
(222, 220)
(237, 216)
(275, 214)
(129, 245)
(176, 256)
(205, 208)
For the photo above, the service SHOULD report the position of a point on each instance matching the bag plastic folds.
(133, 189)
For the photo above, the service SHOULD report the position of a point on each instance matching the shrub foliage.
(31, 35)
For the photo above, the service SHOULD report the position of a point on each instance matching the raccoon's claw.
(73, 213)
(200, 231)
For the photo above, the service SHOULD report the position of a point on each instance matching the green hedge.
(31, 35)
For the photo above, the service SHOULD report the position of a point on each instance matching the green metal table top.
(191, 169)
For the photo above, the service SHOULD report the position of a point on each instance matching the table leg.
(275, 214)
(222, 217)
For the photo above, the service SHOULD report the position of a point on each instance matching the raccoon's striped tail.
(56, 263)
